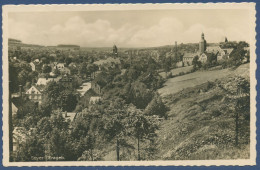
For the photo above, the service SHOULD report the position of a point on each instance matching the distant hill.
(11, 40)
(182, 48)
(68, 46)
(18, 43)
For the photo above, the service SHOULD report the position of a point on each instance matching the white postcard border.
(96, 7)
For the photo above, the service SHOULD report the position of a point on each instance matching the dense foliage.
(122, 122)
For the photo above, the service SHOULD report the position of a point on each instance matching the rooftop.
(84, 88)
(69, 116)
(107, 61)
(94, 99)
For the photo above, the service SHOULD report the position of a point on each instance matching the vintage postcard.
(129, 84)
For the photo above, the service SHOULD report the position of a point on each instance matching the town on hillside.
(175, 102)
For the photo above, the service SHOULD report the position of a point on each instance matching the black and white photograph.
(129, 84)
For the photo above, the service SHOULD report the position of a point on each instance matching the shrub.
(169, 75)
(181, 73)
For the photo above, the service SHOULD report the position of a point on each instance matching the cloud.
(193, 33)
(20, 30)
(98, 33)
(75, 30)
(160, 34)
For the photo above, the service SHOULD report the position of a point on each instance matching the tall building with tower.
(202, 44)
(216, 52)
(226, 40)
(115, 54)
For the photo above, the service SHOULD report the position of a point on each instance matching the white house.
(69, 116)
(224, 53)
(14, 109)
(188, 58)
(203, 57)
(32, 66)
(34, 94)
(64, 70)
(85, 87)
(179, 64)
(94, 99)
(19, 136)
(213, 49)
(107, 63)
(44, 81)
(35, 65)
(60, 66)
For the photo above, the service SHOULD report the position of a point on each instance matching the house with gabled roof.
(36, 65)
(203, 58)
(14, 109)
(95, 74)
(224, 53)
(44, 81)
(66, 81)
(188, 58)
(108, 63)
(69, 116)
(35, 94)
(72, 64)
(99, 83)
(85, 87)
(19, 136)
(213, 49)
(60, 66)
(94, 99)
(97, 86)
(65, 70)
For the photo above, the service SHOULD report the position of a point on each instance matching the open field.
(176, 84)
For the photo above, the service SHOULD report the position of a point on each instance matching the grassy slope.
(177, 71)
(179, 83)
(201, 124)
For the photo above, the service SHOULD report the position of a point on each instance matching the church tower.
(226, 40)
(115, 54)
(202, 44)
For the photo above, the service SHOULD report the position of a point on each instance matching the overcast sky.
(129, 28)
